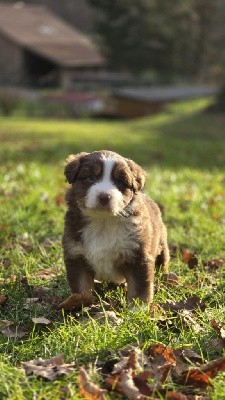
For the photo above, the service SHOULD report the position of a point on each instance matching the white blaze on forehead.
(106, 181)
(107, 186)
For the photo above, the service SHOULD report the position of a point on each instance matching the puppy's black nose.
(104, 198)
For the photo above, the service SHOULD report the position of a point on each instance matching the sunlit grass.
(183, 151)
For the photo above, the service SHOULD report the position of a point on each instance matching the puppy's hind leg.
(140, 281)
(163, 258)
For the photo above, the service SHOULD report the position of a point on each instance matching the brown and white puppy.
(113, 231)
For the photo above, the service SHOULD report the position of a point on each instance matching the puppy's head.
(103, 181)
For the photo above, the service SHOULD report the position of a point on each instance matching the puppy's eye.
(123, 184)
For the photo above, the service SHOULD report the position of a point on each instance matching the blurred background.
(109, 58)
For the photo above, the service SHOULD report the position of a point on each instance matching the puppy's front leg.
(79, 275)
(140, 280)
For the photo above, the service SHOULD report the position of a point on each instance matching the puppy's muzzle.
(104, 199)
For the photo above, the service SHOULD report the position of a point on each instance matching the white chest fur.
(106, 242)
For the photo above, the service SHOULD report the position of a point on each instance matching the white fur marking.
(107, 242)
(105, 185)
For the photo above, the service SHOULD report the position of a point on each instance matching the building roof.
(35, 28)
(167, 93)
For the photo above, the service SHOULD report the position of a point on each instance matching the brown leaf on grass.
(191, 303)
(3, 299)
(122, 378)
(14, 331)
(161, 354)
(195, 378)
(41, 321)
(133, 362)
(29, 303)
(132, 382)
(157, 363)
(146, 389)
(187, 355)
(128, 387)
(49, 369)
(201, 377)
(87, 388)
(126, 380)
(218, 328)
(213, 367)
(189, 258)
(214, 264)
(188, 319)
(170, 279)
(76, 301)
(162, 360)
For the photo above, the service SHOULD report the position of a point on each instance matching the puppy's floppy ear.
(138, 173)
(72, 167)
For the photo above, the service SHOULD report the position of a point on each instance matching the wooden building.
(138, 102)
(39, 49)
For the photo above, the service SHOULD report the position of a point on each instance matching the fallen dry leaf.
(170, 279)
(161, 353)
(213, 367)
(133, 361)
(188, 355)
(29, 302)
(162, 360)
(188, 319)
(41, 320)
(49, 369)
(146, 389)
(14, 331)
(201, 377)
(128, 387)
(191, 303)
(218, 328)
(214, 264)
(189, 258)
(130, 376)
(3, 299)
(76, 301)
(87, 388)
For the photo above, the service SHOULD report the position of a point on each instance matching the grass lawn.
(183, 151)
